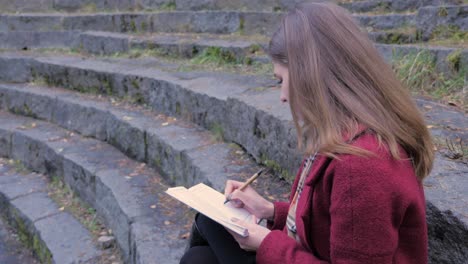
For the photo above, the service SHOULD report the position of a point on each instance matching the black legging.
(220, 248)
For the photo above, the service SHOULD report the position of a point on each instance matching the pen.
(247, 183)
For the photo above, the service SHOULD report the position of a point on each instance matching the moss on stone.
(41, 251)
(178, 110)
(107, 86)
(28, 112)
(144, 26)
(135, 84)
(241, 25)
(138, 98)
(217, 131)
(273, 165)
(277, 9)
(133, 26)
(254, 48)
(442, 12)
(454, 59)
(158, 162)
(169, 6)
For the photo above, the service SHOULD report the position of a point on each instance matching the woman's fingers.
(231, 186)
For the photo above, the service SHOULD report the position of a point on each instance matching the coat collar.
(321, 161)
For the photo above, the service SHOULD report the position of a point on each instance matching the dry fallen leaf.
(165, 124)
(127, 118)
(185, 236)
(61, 208)
(153, 206)
(167, 222)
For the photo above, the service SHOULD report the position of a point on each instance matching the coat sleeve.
(364, 211)
(281, 214)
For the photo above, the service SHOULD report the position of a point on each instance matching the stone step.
(239, 49)
(226, 103)
(54, 236)
(441, 55)
(39, 39)
(178, 149)
(394, 37)
(239, 108)
(441, 20)
(112, 5)
(183, 45)
(194, 5)
(383, 6)
(127, 195)
(183, 153)
(444, 216)
(219, 22)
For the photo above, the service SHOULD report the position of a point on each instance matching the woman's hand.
(249, 199)
(256, 235)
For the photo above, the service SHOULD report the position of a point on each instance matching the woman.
(358, 196)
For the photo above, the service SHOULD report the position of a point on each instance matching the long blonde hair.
(338, 80)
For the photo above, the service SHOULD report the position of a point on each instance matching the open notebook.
(210, 202)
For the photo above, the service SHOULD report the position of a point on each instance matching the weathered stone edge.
(177, 21)
(247, 127)
(392, 5)
(105, 43)
(46, 158)
(30, 233)
(137, 136)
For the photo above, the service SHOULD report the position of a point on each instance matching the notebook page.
(185, 196)
(216, 200)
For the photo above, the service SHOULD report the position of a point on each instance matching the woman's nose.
(283, 99)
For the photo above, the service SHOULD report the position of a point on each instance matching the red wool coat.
(353, 210)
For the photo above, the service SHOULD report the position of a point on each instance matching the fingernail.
(233, 219)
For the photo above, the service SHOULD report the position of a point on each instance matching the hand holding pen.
(241, 194)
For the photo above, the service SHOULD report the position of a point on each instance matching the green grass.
(69, 201)
(215, 55)
(419, 73)
(169, 6)
(449, 35)
(88, 8)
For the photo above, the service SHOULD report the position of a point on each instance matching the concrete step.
(54, 236)
(219, 22)
(383, 6)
